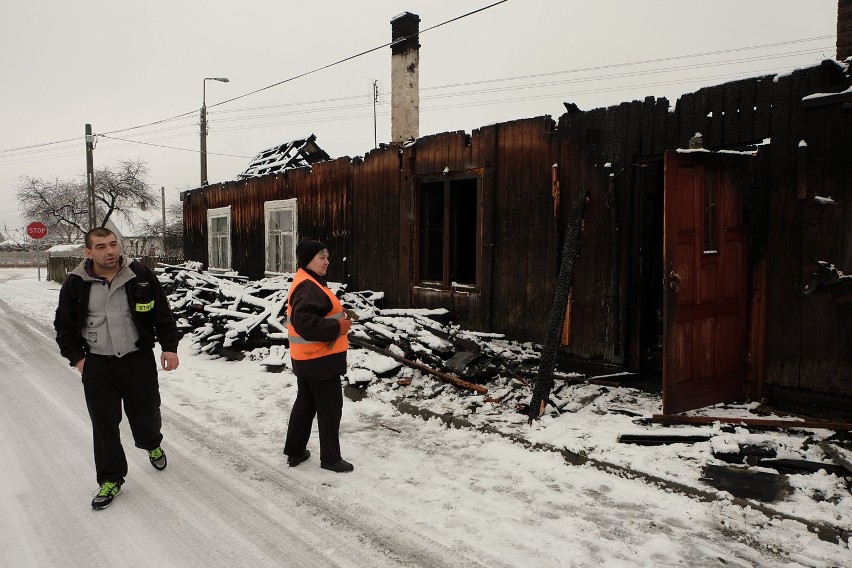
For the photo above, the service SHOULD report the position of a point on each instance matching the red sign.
(37, 230)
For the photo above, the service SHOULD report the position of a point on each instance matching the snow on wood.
(819, 200)
(234, 320)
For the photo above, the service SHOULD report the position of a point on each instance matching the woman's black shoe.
(293, 461)
(340, 466)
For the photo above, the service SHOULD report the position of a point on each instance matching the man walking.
(111, 311)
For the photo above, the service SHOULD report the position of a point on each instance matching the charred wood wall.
(524, 236)
(374, 239)
(367, 212)
(441, 155)
(807, 346)
(517, 239)
(797, 341)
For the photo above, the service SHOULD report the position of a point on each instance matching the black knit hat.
(306, 250)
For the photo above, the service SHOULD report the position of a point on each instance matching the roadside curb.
(824, 531)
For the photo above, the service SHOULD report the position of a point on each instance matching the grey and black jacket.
(154, 323)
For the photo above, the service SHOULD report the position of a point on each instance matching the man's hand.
(169, 360)
(79, 364)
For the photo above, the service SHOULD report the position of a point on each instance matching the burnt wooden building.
(701, 244)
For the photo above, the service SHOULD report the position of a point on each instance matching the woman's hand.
(345, 324)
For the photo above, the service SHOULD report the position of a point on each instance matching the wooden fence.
(16, 258)
(58, 267)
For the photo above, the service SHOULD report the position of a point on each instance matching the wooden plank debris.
(750, 454)
(802, 466)
(662, 439)
(233, 319)
(443, 376)
(761, 422)
(570, 252)
(840, 453)
(230, 319)
(747, 484)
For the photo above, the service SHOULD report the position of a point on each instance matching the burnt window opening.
(448, 219)
(711, 192)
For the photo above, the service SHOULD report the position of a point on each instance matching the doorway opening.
(648, 354)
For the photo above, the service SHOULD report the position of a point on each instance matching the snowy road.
(213, 506)
(421, 494)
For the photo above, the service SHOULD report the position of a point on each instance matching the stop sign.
(37, 230)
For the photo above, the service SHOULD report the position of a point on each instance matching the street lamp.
(204, 126)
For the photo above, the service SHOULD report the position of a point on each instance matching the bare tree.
(122, 189)
(63, 205)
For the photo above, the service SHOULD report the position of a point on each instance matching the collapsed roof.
(295, 154)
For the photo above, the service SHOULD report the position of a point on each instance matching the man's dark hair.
(97, 232)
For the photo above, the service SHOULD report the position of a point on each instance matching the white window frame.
(215, 214)
(268, 208)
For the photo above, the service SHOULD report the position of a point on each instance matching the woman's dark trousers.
(323, 398)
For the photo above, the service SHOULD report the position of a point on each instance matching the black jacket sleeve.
(67, 320)
(310, 304)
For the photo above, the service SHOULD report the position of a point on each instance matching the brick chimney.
(405, 77)
(844, 29)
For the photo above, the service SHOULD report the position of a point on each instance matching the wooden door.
(705, 303)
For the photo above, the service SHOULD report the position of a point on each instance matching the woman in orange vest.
(317, 328)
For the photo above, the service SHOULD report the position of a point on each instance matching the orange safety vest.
(302, 349)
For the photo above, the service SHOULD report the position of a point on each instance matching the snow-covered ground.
(421, 493)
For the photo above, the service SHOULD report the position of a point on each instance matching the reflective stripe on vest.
(302, 349)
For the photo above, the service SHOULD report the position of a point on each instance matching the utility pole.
(90, 175)
(203, 144)
(204, 125)
(163, 205)
(375, 99)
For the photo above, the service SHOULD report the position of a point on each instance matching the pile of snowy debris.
(225, 315)
(395, 354)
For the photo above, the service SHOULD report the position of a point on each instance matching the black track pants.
(322, 398)
(107, 381)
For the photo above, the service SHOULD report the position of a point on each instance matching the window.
(448, 221)
(219, 238)
(281, 235)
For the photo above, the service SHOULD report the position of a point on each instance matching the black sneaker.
(293, 461)
(158, 458)
(108, 491)
(340, 466)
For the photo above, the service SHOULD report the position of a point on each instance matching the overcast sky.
(120, 65)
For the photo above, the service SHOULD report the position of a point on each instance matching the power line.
(42, 144)
(623, 75)
(38, 148)
(170, 147)
(645, 62)
(561, 95)
(568, 71)
(318, 69)
(506, 88)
